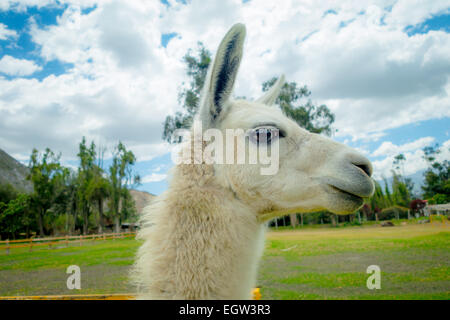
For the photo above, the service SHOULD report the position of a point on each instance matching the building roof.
(439, 207)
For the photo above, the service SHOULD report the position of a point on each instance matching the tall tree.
(197, 67)
(436, 186)
(98, 190)
(317, 119)
(45, 174)
(399, 168)
(120, 177)
(86, 172)
(400, 193)
(14, 216)
(71, 205)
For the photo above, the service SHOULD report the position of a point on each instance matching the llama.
(203, 237)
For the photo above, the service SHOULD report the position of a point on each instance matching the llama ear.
(271, 96)
(221, 76)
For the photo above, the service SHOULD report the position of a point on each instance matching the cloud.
(413, 153)
(387, 148)
(5, 33)
(23, 5)
(17, 67)
(154, 177)
(123, 82)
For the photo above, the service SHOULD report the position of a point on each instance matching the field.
(319, 263)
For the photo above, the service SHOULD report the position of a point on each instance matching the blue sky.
(111, 70)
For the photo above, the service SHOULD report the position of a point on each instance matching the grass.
(311, 263)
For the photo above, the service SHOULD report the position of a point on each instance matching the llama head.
(314, 172)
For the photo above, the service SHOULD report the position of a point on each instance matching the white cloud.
(387, 148)
(17, 67)
(123, 83)
(154, 177)
(23, 5)
(413, 153)
(6, 33)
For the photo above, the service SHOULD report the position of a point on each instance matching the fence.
(256, 294)
(37, 242)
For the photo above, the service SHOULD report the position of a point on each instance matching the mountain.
(141, 199)
(14, 173)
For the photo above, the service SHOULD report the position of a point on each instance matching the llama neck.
(207, 241)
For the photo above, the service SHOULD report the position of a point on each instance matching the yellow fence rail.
(256, 294)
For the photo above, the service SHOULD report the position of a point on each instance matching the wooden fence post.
(7, 246)
(81, 240)
(31, 245)
(67, 241)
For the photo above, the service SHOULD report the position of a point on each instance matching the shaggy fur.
(204, 236)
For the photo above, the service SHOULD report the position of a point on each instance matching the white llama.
(203, 238)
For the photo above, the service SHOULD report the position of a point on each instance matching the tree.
(197, 67)
(388, 198)
(71, 201)
(400, 193)
(45, 174)
(436, 186)
(316, 119)
(399, 170)
(14, 215)
(7, 193)
(97, 190)
(120, 177)
(378, 201)
(86, 172)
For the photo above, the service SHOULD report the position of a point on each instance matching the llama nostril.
(364, 167)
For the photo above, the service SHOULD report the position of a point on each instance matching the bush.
(391, 213)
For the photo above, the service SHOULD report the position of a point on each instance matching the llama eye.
(265, 135)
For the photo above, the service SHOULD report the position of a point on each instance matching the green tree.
(316, 119)
(197, 67)
(436, 186)
(45, 174)
(14, 216)
(379, 200)
(71, 201)
(7, 193)
(121, 176)
(400, 193)
(399, 168)
(97, 191)
(388, 198)
(86, 172)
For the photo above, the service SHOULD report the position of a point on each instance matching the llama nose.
(362, 163)
(366, 167)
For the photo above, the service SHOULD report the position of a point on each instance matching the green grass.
(311, 263)
(331, 263)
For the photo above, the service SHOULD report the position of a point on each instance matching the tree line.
(66, 201)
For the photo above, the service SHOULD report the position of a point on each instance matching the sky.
(111, 70)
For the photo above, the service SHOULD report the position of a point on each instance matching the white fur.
(204, 236)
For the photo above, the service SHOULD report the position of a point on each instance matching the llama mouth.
(347, 195)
